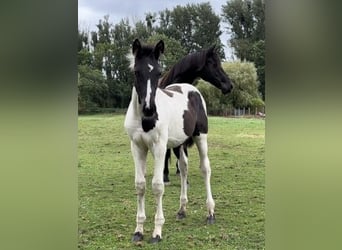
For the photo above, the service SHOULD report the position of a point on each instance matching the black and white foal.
(158, 119)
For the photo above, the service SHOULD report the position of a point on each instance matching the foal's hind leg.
(202, 145)
(183, 167)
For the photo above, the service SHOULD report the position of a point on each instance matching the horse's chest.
(138, 135)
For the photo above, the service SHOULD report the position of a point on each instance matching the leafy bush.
(245, 92)
(92, 89)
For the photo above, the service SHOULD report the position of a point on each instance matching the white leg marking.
(148, 93)
(139, 156)
(202, 145)
(158, 152)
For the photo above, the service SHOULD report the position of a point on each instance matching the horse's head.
(212, 72)
(147, 72)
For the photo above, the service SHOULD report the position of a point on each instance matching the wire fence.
(238, 112)
(232, 112)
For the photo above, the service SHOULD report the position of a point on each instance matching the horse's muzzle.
(148, 112)
(227, 90)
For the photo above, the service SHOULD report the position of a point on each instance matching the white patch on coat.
(150, 67)
(148, 94)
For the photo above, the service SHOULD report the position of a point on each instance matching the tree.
(84, 55)
(92, 89)
(173, 50)
(246, 19)
(122, 35)
(195, 26)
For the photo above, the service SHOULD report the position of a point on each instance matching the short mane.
(192, 62)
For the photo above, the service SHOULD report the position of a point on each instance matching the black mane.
(185, 70)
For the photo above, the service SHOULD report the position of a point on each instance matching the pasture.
(107, 197)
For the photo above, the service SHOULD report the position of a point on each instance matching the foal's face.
(213, 72)
(147, 72)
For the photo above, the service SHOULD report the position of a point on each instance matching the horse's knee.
(183, 168)
(205, 164)
(157, 188)
(140, 187)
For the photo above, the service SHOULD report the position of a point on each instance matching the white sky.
(91, 11)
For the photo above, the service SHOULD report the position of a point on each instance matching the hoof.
(137, 237)
(211, 219)
(155, 240)
(166, 179)
(181, 215)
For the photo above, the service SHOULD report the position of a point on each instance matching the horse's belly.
(176, 134)
(172, 117)
(175, 142)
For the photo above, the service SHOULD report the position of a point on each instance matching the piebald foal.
(158, 119)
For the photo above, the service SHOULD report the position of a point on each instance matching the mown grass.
(107, 199)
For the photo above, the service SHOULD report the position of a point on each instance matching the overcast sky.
(91, 11)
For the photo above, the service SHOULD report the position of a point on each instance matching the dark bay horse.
(205, 64)
(158, 119)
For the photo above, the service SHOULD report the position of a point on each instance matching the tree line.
(104, 78)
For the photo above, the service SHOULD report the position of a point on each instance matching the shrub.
(245, 92)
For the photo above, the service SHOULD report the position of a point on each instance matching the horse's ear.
(211, 50)
(136, 46)
(159, 49)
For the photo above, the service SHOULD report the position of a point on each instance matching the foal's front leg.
(139, 156)
(158, 152)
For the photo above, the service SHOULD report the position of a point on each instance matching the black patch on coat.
(149, 122)
(175, 88)
(194, 118)
(170, 94)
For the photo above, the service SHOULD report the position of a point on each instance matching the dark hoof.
(211, 219)
(137, 237)
(166, 179)
(181, 215)
(155, 240)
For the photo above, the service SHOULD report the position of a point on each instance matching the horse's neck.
(188, 75)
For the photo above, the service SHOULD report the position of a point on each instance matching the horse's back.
(184, 87)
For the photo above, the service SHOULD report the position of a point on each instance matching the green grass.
(107, 199)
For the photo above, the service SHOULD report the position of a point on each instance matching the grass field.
(107, 199)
